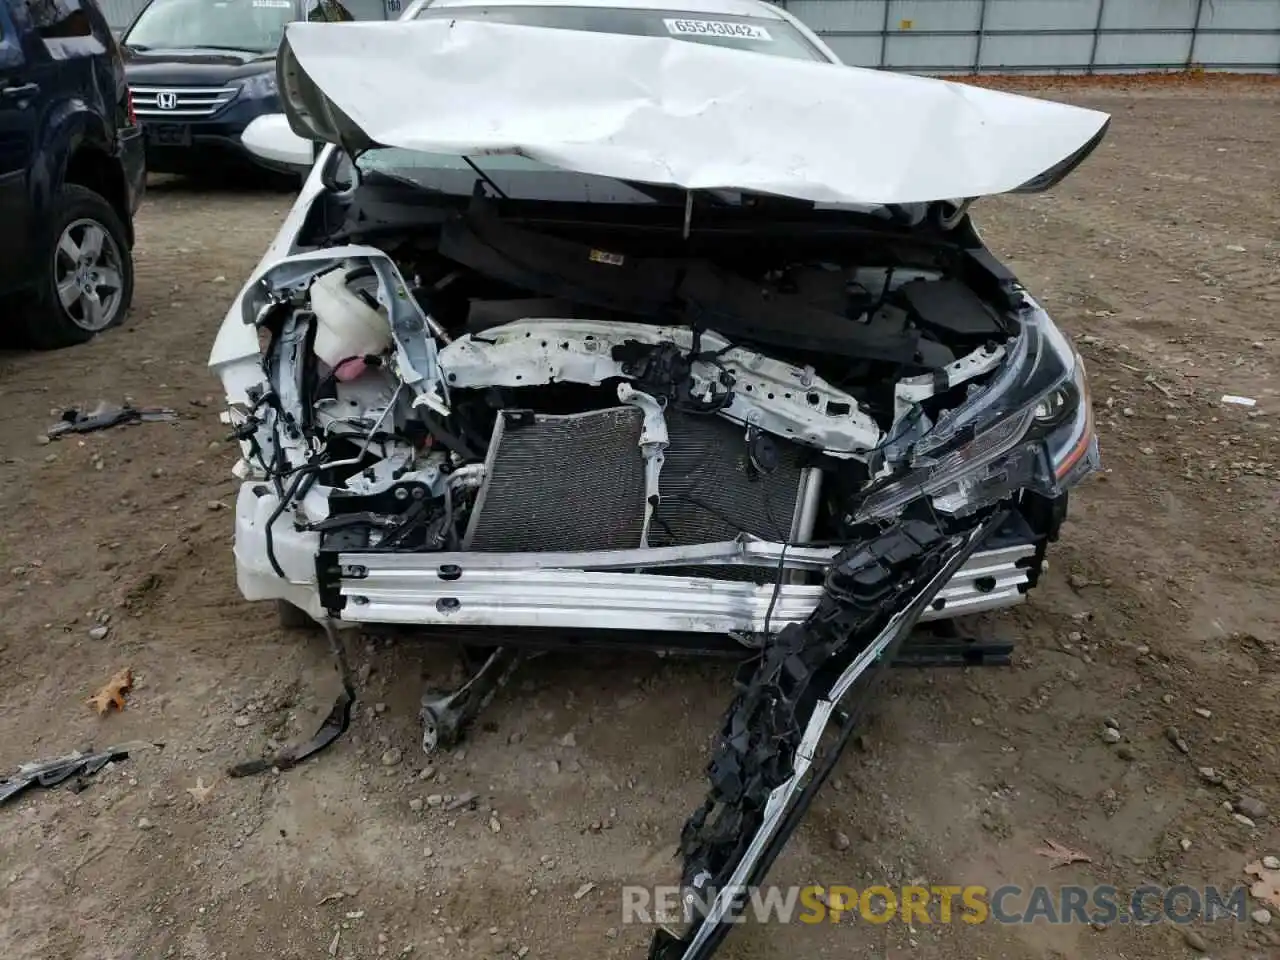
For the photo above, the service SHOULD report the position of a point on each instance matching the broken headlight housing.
(1031, 428)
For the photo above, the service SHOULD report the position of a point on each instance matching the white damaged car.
(619, 324)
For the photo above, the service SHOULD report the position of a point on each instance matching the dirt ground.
(1161, 256)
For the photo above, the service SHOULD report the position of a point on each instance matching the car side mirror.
(340, 174)
(270, 138)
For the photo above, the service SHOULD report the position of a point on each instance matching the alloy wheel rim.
(87, 274)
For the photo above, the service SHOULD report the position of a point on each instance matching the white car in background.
(618, 324)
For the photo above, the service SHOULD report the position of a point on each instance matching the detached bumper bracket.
(768, 766)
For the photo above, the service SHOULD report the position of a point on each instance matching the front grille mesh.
(180, 103)
(577, 483)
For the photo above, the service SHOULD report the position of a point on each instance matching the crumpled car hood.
(666, 111)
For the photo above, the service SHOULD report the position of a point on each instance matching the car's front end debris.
(654, 416)
(74, 769)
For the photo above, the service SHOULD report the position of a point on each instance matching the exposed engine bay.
(779, 434)
(526, 392)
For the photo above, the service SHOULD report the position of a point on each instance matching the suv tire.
(87, 281)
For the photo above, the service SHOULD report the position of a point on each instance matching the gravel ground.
(1161, 256)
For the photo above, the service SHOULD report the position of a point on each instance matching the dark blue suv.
(201, 72)
(71, 173)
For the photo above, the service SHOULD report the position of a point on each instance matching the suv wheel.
(88, 282)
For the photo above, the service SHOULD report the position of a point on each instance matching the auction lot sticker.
(717, 28)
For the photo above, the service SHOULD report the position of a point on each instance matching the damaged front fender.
(415, 348)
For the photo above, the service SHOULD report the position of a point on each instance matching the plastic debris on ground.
(105, 415)
(73, 767)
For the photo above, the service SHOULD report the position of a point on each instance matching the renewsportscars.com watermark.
(915, 905)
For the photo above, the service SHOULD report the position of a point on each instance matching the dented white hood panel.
(669, 111)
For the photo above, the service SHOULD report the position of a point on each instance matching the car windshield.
(527, 179)
(252, 26)
(763, 35)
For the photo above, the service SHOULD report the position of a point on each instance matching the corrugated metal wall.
(1048, 36)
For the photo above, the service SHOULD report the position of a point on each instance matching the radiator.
(576, 482)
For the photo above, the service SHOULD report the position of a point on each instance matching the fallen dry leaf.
(200, 793)
(112, 692)
(1267, 887)
(1063, 855)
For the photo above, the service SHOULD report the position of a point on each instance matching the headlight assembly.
(259, 86)
(1031, 428)
(1053, 408)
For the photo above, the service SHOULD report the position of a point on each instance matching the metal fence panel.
(859, 51)
(1241, 15)
(911, 15)
(1048, 36)
(1141, 50)
(1041, 14)
(1149, 15)
(930, 54)
(1035, 54)
(1250, 53)
(832, 16)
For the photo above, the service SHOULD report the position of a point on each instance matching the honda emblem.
(166, 100)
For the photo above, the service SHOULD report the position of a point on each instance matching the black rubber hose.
(301, 475)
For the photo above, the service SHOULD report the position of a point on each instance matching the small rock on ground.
(1194, 940)
(1251, 807)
